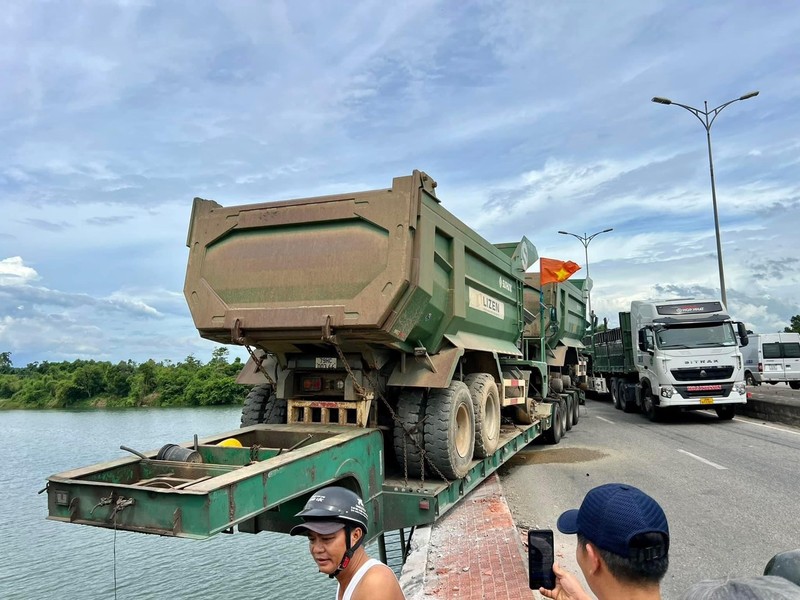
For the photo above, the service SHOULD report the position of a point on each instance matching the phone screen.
(540, 559)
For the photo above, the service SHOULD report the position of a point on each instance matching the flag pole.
(542, 356)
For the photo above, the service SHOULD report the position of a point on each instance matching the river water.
(48, 559)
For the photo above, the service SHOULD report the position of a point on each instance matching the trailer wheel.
(450, 429)
(553, 435)
(749, 379)
(577, 412)
(795, 385)
(486, 406)
(568, 412)
(262, 406)
(725, 412)
(556, 385)
(409, 441)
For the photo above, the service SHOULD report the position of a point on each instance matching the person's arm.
(567, 586)
(379, 583)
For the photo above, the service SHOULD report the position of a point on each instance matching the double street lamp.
(706, 118)
(585, 239)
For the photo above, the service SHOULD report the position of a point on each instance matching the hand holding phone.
(540, 559)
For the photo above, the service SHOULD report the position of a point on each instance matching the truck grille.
(702, 373)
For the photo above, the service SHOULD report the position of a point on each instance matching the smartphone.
(540, 559)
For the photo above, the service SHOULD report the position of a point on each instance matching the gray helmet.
(335, 504)
(331, 509)
(786, 565)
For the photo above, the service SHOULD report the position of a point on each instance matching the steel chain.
(362, 392)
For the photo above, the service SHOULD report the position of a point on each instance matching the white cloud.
(532, 117)
(14, 272)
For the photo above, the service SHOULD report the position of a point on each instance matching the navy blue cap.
(612, 515)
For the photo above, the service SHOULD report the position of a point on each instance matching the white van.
(772, 358)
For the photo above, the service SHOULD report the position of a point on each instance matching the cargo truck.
(670, 355)
(772, 358)
(387, 354)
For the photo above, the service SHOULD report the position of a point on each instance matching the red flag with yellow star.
(556, 271)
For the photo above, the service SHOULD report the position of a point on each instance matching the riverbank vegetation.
(99, 384)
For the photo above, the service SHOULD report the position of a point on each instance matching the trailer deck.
(261, 485)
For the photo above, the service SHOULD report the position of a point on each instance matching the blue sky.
(533, 117)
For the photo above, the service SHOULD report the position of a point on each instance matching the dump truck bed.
(386, 267)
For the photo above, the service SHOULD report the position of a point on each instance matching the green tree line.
(101, 384)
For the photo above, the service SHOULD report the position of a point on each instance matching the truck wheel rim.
(463, 434)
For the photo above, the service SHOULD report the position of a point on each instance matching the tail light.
(760, 368)
(312, 384)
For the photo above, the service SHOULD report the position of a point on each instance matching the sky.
(533, 117)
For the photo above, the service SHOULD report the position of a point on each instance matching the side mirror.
(742, 330)
(642, 341)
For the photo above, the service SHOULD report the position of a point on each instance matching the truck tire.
(555, 433)
(522, 412)
(409, 440)
(649, 409)
(566, 381)
(577, 412)
(486, 406)
(450, 429)
(568, 412)
(262, 406)
(628, 406)
(615, 393)
(556, 385)
(749, 379)
(725, 412)
(795, 385)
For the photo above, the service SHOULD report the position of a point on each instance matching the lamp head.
(749, 95)
(660, 100)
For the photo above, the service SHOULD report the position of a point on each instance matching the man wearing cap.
(335, 523)
(623, 545)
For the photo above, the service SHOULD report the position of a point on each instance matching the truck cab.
(687, 356)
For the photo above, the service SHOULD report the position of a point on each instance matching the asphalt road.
(730, 488)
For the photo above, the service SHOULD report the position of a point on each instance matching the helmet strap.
(349, 551)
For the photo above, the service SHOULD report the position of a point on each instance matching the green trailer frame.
(263, 484)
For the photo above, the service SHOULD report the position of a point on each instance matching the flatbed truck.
(387, 354)
(670, 355)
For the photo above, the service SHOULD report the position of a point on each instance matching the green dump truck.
(386, 354)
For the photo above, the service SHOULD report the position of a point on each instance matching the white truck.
(772, 358)
(670, 355)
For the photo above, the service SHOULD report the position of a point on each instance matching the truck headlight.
(740, 388)
(667, 391)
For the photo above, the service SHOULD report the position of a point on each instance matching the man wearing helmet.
(335, 523)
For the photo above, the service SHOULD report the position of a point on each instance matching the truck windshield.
(695, 336)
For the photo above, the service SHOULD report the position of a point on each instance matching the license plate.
(325, 363)
(773, 367)
(706, 401)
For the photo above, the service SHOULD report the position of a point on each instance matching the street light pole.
(585, 239)
(703, 117)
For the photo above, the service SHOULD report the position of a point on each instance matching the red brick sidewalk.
(475, 551)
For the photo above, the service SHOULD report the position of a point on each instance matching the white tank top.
(351, 587)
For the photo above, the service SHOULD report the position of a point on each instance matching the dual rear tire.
(262, 406)
(442, 425)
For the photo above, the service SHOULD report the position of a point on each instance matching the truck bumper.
(672, 397)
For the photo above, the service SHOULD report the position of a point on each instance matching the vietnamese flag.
(556, 271)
